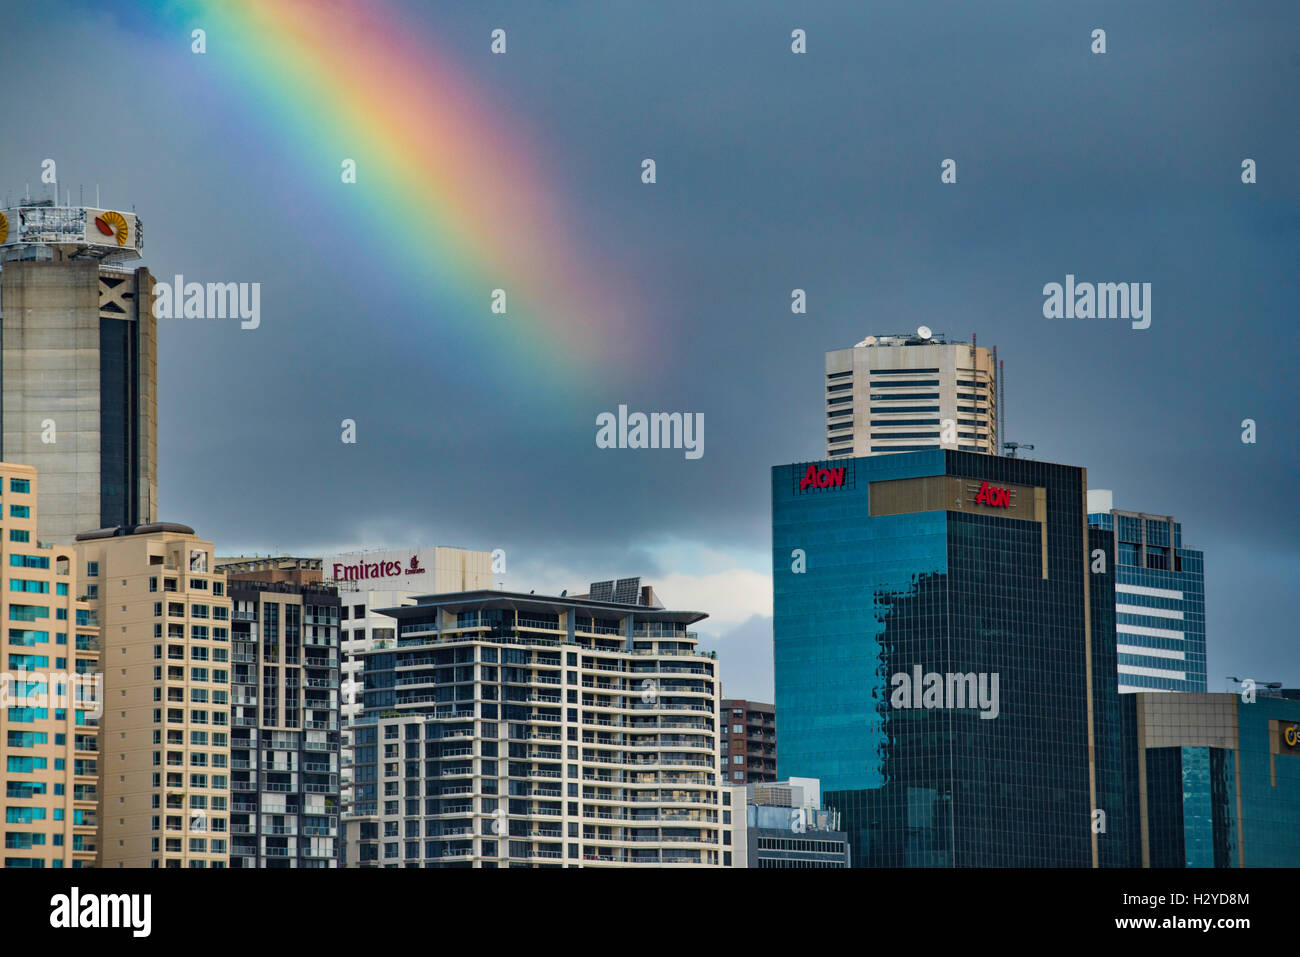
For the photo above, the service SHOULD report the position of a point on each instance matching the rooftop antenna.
(96, 195)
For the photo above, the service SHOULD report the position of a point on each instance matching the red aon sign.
(997, 497)
(822, 478)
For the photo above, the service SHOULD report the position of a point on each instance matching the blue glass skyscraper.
(934, 657)
(1160, 599)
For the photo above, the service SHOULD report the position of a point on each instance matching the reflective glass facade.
(989, 600)
(119, 413)
(1160, 598)
(1218, 779)
(1270, 772)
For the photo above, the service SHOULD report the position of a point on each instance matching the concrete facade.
(78, 390)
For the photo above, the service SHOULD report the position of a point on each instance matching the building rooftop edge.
(149, 528)
(488, 597)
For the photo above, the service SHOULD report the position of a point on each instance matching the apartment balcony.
(455, 810)
(536, 855)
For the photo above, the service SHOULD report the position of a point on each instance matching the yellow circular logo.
(113, 224)
(1292, 735)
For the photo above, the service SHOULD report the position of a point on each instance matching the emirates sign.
(364, 570)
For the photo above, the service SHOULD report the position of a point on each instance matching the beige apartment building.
(164, 618)
(49, 709)
(906, 393)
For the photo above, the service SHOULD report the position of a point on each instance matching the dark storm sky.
(775, 171)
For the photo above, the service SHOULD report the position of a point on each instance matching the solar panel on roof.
(626, 591)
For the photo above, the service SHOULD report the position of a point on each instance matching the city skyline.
(797, 174)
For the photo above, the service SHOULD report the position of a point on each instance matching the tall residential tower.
(51, 693)
(513, 730)
(165, 732)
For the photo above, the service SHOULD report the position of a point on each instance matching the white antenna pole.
(96, 195)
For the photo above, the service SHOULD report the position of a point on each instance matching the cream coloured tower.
(906, 393)
(164, 618)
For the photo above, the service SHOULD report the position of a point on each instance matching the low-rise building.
(782, 824)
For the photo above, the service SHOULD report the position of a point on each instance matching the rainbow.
(444, 182)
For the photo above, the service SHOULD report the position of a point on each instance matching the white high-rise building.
(906, 393)
(387, 579)
(521, 730)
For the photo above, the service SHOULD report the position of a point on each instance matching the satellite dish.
(924, 332)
